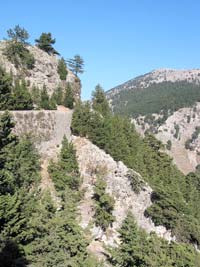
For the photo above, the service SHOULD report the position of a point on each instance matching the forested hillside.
(164, 98)
(41, 196)
(175, 197)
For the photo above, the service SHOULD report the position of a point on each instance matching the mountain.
(157, 76)
(165, 102)
(78, 185)
(44, 72)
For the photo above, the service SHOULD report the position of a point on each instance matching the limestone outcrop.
(94, 162)
(43, 73)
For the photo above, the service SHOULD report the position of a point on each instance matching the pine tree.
(58, 96)
(62, 69)
(68, 100)
(21, 97)
(18, 34)
(76, 64)
(44, 99)
(104, 205)
(65, 173)
(16, 48)
(99, 101)
(5, 90)
(45, 43)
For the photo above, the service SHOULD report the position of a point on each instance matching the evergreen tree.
(76, 64)
(58, 96)
(21, 97)
(5, 90)
(65, 172)
(62, 69)
(18, 34)
(35, 94)
(44, 99)
(68, 100)
(16, 48)
(99, 101)
(104, 205)
(45, 43)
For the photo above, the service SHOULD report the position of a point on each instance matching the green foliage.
(45, 101)
(45, 43)
(139, 249)
(18, 34)
(118, 137)
(62, 69)
(68, 100)
(32, 231)
(65, 172)
(99, 101)
(135, 181)
(76, 64)
(155, 98)
(16, 50)
(58, 96)
(195, 135)
(21, 97)
(5, 90)
(104, 205)
(177, 129)
(35, 94)
(169, 145)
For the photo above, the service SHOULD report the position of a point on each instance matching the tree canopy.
(76, 64)
(46, 42)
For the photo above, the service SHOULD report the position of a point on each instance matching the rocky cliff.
(165, 103)
(180, 130)
(44, 71)
(94, 162)
(46, 127)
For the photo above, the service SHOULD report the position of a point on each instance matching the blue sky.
(117, 39)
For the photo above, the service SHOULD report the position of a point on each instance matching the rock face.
(44, 72)
(157, 76)
(178, 129)
(94, 162)
(47, 127)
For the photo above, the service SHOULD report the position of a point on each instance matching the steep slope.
(47, 128)
(178, 135)
(157, 76)
(44, 71)
(94, 162)
(165, 103)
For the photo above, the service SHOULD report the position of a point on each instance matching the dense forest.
(33, 232)
(157, 97)
(175, 197)
(37, 231)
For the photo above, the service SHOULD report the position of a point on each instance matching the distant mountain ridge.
(165, 102)
(157, 76)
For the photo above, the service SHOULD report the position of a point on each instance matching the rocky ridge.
(43, 73)
(94, 162)
(157, 76)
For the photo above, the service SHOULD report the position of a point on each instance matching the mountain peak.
(158, 76)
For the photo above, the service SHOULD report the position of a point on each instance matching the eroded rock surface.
(94, 162)
(44, 72)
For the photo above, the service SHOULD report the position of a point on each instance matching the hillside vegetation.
(156, 98)
(175, 197)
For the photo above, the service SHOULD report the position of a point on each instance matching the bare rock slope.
(44, 71)
(94, 162)
(180, 128)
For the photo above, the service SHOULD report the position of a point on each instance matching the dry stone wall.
(47, 128)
